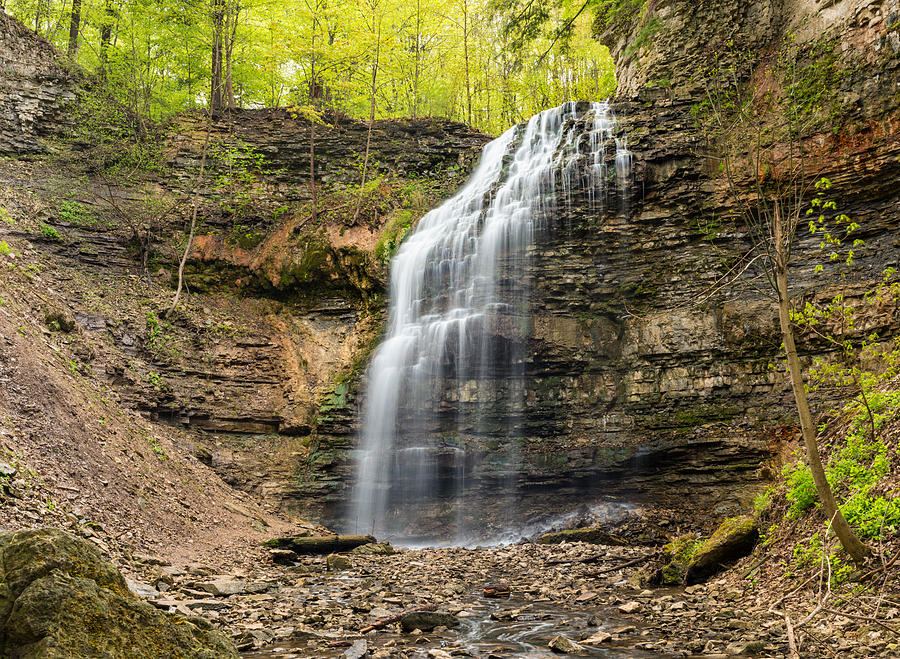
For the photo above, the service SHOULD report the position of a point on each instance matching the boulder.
(593, 535)
(283, 556)
(373, 549)
(427, 620)
(565, 645)
(733, 539)
(675, 559)
(337, 563)
(60, 598)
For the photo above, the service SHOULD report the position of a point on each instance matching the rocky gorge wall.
(645, 380)
(635, 389)
(36, 88)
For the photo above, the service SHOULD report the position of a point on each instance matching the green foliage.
(115, 140)
(857, 466)
(812, 79)
(617, 16)
(644, 36)
(762, 502)
(5, 217)
(156, 448)
(4, 248)
(72, 212)
(244, 237)
(461, 60)
(50, 232)
(160, 342)
(393, 233)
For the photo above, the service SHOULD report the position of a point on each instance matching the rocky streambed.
(573, 599)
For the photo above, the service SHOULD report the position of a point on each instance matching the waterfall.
(444, 397)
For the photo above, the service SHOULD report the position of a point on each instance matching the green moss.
(644, 36)
(392, 235)
(677, 555)
(812, 80)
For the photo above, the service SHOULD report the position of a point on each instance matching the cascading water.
(445, 391)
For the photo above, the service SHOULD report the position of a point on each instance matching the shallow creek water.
(501, 628)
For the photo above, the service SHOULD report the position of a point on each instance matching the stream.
(513, 627)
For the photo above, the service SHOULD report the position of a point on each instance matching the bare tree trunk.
(465, 8)
(415, 103)
(313, 94)
(106, 30)
(190, 240)
(375, 60)
(74, 28)
(218, 18)
(851, 544)
(231, 22)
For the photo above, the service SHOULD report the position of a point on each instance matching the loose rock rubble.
(566, 598)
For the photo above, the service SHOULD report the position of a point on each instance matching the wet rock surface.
(566, 599)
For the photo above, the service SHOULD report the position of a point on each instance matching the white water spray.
(445, 391)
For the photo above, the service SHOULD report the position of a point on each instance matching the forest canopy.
(489, 63)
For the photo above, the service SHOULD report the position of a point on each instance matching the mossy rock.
(59, 321)
(733, 540)
(670, 565)
(593, 535)
(60, 598)
(677, 556)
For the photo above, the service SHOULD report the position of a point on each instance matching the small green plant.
(644, 36)
(49, 232)
(4, 248)
(5, 217)
(762, 502)
(156, 448)
(72, 212)
(160, 343)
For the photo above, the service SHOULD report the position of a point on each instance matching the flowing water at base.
(480, 635)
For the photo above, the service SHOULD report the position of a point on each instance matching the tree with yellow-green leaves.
(461, 60)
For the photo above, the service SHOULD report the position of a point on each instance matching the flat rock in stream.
(565, 645)
(358, 650)
(324, 544)
(427, 620)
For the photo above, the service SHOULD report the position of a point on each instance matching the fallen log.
(325, 544)
(590, 559)
(637, 561)
(497, 590)
(384, 622)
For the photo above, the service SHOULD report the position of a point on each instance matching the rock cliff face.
(634, 388)
(35, 89)
(645, 380)
(671, 44)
